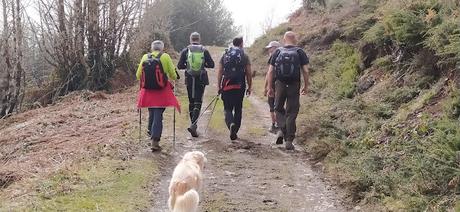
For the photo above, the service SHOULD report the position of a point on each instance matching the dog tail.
(187, 202)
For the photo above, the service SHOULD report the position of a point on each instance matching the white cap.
(273, 44)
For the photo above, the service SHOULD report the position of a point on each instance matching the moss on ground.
(105, 185)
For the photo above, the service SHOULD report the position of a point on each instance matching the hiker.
(233, 72)
(155, 71)
(272, 46)
(286, 65)
(194, 59)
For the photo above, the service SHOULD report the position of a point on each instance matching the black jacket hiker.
(195, 84)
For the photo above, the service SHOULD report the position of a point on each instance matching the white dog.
(186, 182)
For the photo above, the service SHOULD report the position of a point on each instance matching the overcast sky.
(250, 14)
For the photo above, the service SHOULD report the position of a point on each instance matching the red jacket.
(158, 98)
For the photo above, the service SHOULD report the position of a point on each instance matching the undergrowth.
(396, 145)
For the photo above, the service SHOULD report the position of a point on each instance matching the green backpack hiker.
(195, 60)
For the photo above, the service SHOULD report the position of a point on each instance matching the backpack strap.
(159, 55)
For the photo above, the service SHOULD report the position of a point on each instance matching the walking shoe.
(192, 130)
(289, 145)
(155, 145)
(279, 137)
(273, 129)
(233, 135)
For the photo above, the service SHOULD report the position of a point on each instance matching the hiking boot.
(279, 137)
(233, 135)
(273, 129)
(192, 130)
(155, 145)
(289, 145)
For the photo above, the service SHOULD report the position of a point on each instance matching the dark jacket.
(208, 63)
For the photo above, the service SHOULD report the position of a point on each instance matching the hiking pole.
(210, 117)
(174, 125)
(140, 124)
(207, 107)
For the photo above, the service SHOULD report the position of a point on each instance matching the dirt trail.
(251, 174)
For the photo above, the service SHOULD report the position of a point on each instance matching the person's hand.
(304, 91)
(248, 92)
(271, 92)
(265, 92)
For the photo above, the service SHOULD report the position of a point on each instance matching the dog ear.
(201, 158)
(180, 187)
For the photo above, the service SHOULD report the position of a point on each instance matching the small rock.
(229, 173)
(288, 186)
(241, 151)
(319, 164)
(269, 202)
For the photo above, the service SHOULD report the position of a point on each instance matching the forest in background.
(52, 47)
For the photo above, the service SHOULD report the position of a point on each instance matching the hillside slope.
(382, 111)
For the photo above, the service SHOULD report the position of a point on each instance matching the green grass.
(258, 86)
(217, 122)
(110, 179)
(106, 185)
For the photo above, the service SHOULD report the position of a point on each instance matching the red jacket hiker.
(158, 98)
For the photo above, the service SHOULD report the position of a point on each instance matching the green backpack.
(195, 60)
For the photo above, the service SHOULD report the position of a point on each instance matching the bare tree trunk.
(94, 45)
(12, 97)
(5, 88)
(80, 38)
(113, 17)
(18, 72)
(80, 28)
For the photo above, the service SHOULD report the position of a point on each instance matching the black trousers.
(287, 106)
(195, 91)
(233, 107)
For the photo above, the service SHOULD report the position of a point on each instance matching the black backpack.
(234, 73)
(287, 65)
(153, 75)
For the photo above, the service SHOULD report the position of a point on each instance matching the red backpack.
(153, 75)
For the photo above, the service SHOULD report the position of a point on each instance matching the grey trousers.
(287, 107)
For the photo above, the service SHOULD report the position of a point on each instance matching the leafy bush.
(383, 63)
(348, 67)
(376, 35)
(401, 95)
(452, 105)
(405, 27)
(444, 39)
(355, 28)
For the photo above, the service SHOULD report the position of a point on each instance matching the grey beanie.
(158, 45)
(195, 37)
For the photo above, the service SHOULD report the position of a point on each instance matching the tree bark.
(14, 69)
(112, 38)
(5, 88)
(94, 45)
(18, 70)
